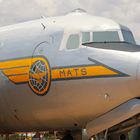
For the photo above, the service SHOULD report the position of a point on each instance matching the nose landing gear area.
(74, 135)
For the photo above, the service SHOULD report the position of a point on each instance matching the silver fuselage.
(69, 103)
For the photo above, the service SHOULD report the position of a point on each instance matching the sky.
(126, 12)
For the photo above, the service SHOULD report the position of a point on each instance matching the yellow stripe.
(19, 63)
(19, 78)
(16, 71)
(99, 70)
(15, 63)
(77, 72)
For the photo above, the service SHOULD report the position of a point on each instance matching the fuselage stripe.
(17, 70)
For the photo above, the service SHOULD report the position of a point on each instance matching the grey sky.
(126, 12)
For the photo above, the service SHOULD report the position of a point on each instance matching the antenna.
(44, 27)
(43, 17)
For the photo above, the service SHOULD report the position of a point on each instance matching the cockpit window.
(85, 37)
(106, 36)
(73, 41)
(128, 37)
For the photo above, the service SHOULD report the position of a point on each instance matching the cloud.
(124, 11)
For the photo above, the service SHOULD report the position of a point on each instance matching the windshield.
(100, 36)
(106, 36)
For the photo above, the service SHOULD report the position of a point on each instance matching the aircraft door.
(44, 49)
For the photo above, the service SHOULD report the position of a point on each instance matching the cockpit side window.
(85, 37)
(73, 41)
(128, 37)
(106, 36)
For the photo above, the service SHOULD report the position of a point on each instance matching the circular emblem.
(40, 77)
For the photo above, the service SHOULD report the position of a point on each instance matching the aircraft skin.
(79, 85)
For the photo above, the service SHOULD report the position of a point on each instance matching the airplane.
(75, 72)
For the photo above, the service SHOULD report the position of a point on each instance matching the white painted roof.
(77, 19)
(81, 20)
